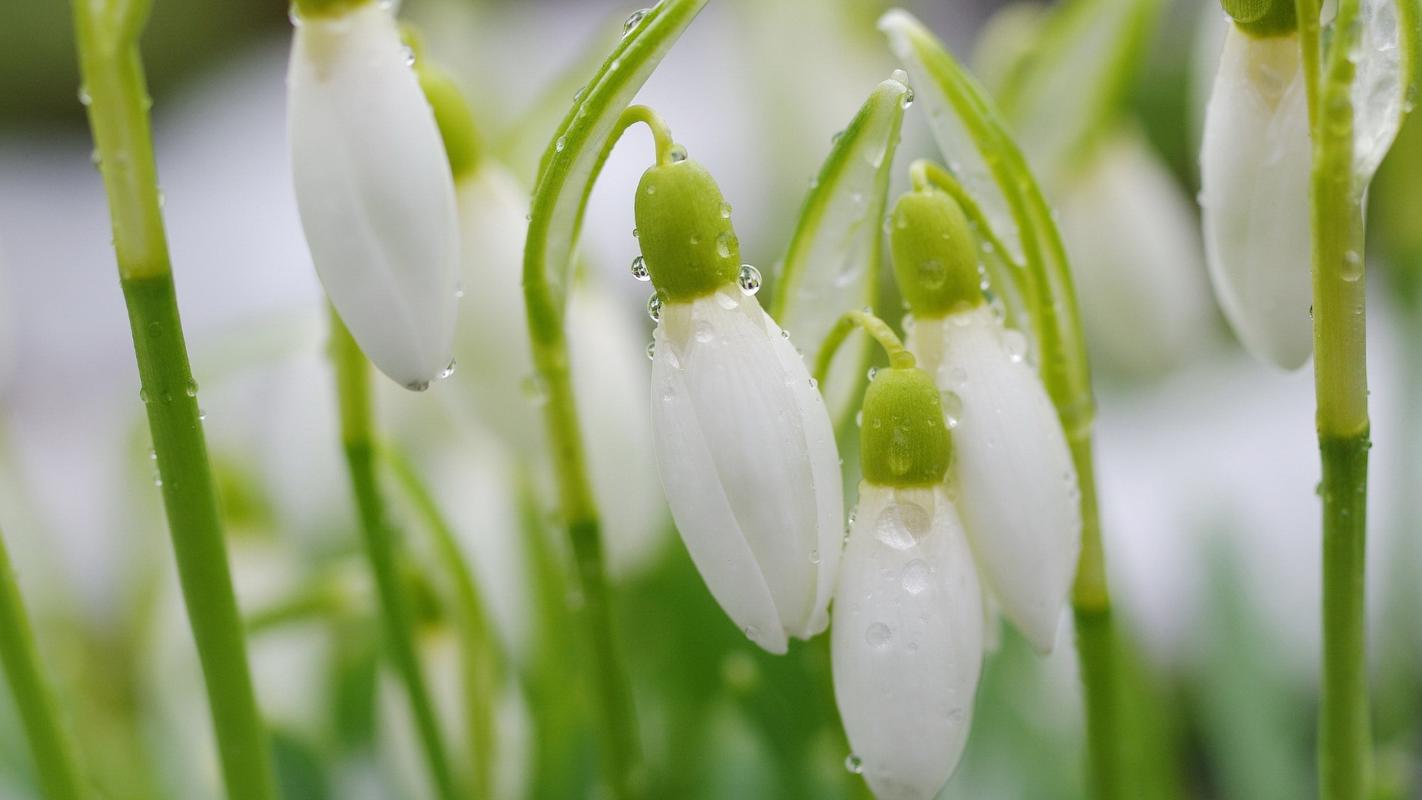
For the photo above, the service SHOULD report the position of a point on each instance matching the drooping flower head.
(374, 187)
(908, 621)
(744, 444)
(1255, 159)
(1012, 470)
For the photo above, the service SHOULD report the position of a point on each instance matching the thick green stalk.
(53, 754)
(1341, 387)
(353, 392)
(117, 98)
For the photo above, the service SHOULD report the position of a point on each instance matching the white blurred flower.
(1254, 172)
(748, 461)
(374, 190)
(907, 641)
(608, 364)
(1137, 258)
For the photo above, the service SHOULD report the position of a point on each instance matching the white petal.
(495, 357)
(1254, 172)
(374, 190)
(1379, 91)
(748, 463)
(1017, 487)
(1139, 261)
(907, 640)
(610, 373)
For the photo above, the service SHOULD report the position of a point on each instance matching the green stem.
(1341, 387)
(477, 646)
(117, 97)
(54, 759)
(353, 390)
(872, 325)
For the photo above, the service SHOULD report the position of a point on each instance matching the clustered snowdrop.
(1012, 467)
(374, 187)
(1254, 175)
(744, 445)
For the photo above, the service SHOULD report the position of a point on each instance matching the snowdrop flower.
(908, 629)
(744, 443)
(1135, 244)
(1254, 173)
(374, 187)
(609, 367)
(1013, 470)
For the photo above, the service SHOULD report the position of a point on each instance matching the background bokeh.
(1207, 460)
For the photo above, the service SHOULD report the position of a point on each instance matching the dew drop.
(931, 273)
(459, 291)
(784, 334)
(652, 349)
(634, 19)
(873, 371)
(578, 95)
(899, 525)
(654, 306)
(192, 388)
(84, 97)
(750, 631)
(417, 386)
(560, 143)
(677, 154)
(725, 211)
(704, 333)
(859, 418)
(748, 280)
(878, 635)
(409, 57)
(952, 408)
(634, 233)
(814, 556)
(639, 269)
(907, 98)
(95, 158)
(1015, 344)
(814, 384)
(834, 139)
(447, 371)
(915, 576)
(854, 764)
(723, 245)
(1352, 266)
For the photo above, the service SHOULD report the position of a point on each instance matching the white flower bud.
(374, 190)
(1017, 488)
(907, 640)
(1254, 172)
(748, 462)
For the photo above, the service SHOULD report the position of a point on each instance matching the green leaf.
(576, 153)
(1063, 96)
(832, 264)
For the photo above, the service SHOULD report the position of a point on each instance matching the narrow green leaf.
(578, 148)
(1074, 77)
(832, 263)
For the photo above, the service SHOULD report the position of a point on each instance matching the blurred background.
(1207, 460)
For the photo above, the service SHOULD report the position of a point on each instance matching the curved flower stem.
(1341, 387)
(477, 644)
(54, 757)
(353, 392)
(924, 173)
(116, 94)
(870, 324)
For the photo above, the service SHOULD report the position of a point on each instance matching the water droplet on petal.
(748, 279)
(899, 524)
(654, 306)
(639, 269)
(854, 764)
(814, 556)
(915, 576)
(652, 349)
(704, 333)
(447, 371)
(878, 635)
(907, 98)
(409, 56)
(417, 386)
(1015, 344)
(899, 75)
(952, 408)
(723, 245)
